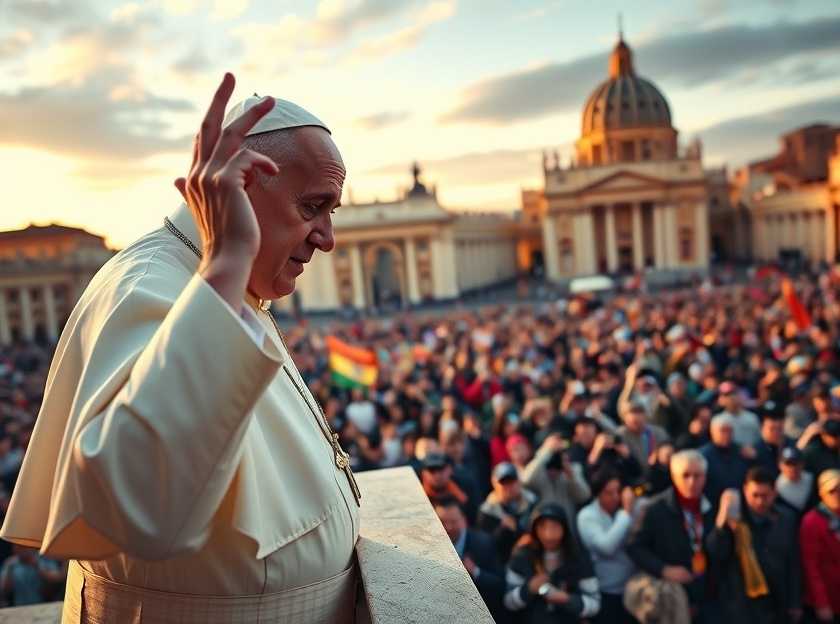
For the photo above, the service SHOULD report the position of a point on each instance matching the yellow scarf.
(754, 581)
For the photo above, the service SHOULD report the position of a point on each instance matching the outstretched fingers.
(211, 125)
(232, 136)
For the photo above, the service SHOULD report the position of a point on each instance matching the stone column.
(411, 271)
(358, 277)
(761, 237)
(701, 233)
(638, 238)
(830, 233)
(551, 246)
(774, 226)
(26, 314)
(5, 330)
(446, 272)
(795, 239)
(658, 236)
(612, 246)
(584, 243)
(818, 236)
(49, 307)
(671, 240)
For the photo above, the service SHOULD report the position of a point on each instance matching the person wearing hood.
(550, 577)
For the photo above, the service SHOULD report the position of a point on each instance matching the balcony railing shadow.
(410, 571)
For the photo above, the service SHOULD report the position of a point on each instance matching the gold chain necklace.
(341, 458)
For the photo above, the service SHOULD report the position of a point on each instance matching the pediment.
(624, 181)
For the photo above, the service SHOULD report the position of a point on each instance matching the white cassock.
(178, 460)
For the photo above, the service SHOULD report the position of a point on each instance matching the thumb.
(181, 185)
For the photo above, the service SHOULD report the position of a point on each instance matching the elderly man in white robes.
(179, 460)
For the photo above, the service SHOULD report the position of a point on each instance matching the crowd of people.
(669, 457)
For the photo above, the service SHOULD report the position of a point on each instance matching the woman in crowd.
(550, 577)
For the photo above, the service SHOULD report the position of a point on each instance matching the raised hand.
(216, 192)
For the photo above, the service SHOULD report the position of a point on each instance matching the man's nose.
(323, 236)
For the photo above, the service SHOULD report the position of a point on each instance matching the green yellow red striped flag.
(351, 366)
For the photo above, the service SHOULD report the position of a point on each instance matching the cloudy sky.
(99, 99)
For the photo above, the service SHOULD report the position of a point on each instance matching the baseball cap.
(505, 471)
(791, 455)
(435, 461)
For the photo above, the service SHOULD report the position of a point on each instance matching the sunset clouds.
(102, 98)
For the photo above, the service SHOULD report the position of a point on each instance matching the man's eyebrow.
(322, 196)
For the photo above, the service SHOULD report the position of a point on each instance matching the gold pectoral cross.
(342, 462)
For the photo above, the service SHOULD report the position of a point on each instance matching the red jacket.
(820, 562)
(477, 393)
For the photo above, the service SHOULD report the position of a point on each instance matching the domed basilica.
(630, 200)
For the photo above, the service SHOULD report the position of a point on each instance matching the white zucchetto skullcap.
(284, 115)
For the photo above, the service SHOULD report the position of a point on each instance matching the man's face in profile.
(294, 209)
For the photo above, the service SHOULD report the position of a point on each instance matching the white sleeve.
(247, 317)
(513, 596)
(177, 422)
(604, 543)
(591, 596)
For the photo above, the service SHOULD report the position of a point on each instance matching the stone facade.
(629, 201)
(405, 252)
(43, 271)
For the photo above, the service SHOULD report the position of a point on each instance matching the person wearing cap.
(604, 526)
(179, 460)
(754, 549)
(819, 539)
(553, 477)
(727, 465)
(550, 577)
(504, 513)
(795, 485)
(822, 452)
(746, 428)
(436, 478)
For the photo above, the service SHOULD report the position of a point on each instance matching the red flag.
(797, 310)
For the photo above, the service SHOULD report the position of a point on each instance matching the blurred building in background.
(408, 251)
(630, 200)
(43, 271)
(790, 200)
